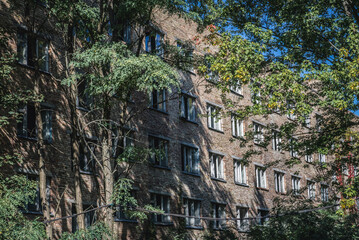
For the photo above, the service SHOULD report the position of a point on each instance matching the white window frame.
(276, 141)
(164, 205)
(219, 211)
(308, 157)
(296, 185)
(217, 166)
(236, 87)
(188, 107)
(258, 133)
(190, 159)
(279, 182)
(214, 118)
(292, 151)
(261, 178)
(311, 189)
(324, 192)
(243, 224)
(322, 158)
(237, 126)
(262, 219)
(192, 209)
(240, 172)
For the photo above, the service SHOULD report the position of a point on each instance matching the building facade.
(201, 171)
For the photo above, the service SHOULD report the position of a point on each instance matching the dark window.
(192, 209)
(27, 125)
(187, 106)
(158, 100)
(87, 161)
(84, 99)
(122, 211)
(33, 205)
(31, 49)
(159, 154)
(90, 217)
(161, 202)
(262, 217)
(190, 159)
(154, 43)
(218, 211)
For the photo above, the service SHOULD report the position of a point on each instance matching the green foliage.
(312, 225)
(97, 231)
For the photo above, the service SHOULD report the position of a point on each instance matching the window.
(291, 111)
(121, 213)
(308, 157)
(237, 126)
(256, 97)
(307, 121)
(242, 223)
(293, 148)
(295, 185)
(192, 209)
(87, 161)
(214, 118)
(258, 136)
(84, 99)
(159, 154)
(161, 202)
(218, 211)
(90, 217)
(27, 126)
(190, 159)
(31, 49)
(279, 182)
(276, 141)
(188, 109)
(46, 116)
(154, 43)
(311, 189)
(212, 76)
(158, 100)
(261, 181)
(127, 141)
(322, 158)
(324, 193)
(216, 162)
(262, 218)
(186, 51)
(240, 174)
(126, 33)
(34, 205)
(236, 87)
(319, 122)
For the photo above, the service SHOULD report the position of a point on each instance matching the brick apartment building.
(201, 173)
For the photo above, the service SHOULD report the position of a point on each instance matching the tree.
(299, 59)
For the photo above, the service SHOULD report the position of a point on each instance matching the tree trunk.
(45, 207)
(108, 166)
(75, 139)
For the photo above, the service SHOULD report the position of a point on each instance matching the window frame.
(258, 133)
(193, 212)
(324, 192)
(261, 177)
(90, 152)
(240, 172)
(159, 142)
(159, 105)
(165, 206)
(218, 211)
(279, 182)
(216, 166)
(295, 185)
(311, 189)
(214, 119)
(276, 141)
(237, 126)
(243, 225)
(188, 165)
(188, 108)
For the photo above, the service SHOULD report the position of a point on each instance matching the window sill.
(243, 230)
(220, 229)
(195, 227)
(82, 109)
(237, 93)
(33, 68)
(264, 189)
(259, 144)
(192, 174)
(239, 137)
(27, 138)
(241, 184)
(161, 167)
(216, 130)
(219, 179)
(126, 220)
(281, 193)
(164, 223)
(33, 212)
(86, 172)
(187, 120)
(158, 110)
